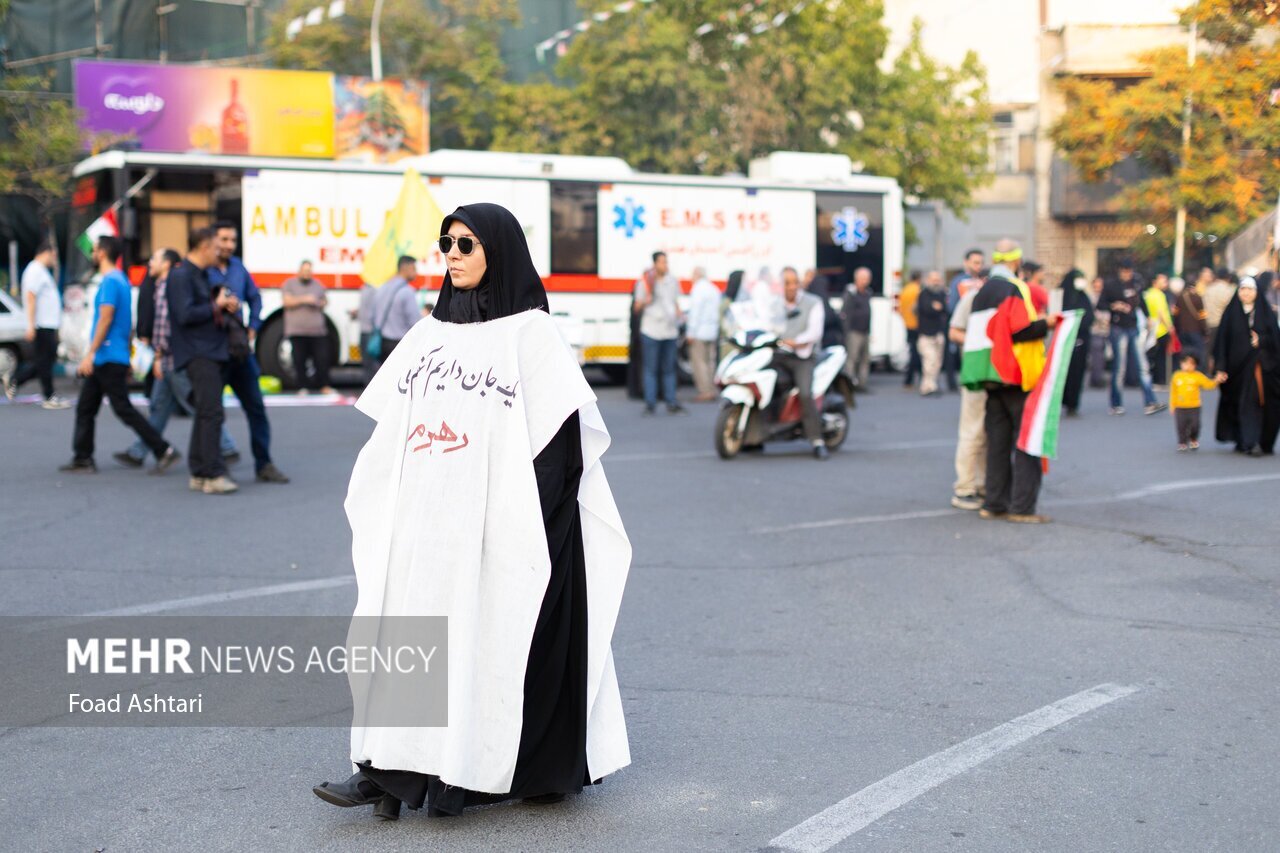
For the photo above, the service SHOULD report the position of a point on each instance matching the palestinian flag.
(104, 225)
(1001, 309)
(1043, 410)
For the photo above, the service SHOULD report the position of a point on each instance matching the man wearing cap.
(1004, 355)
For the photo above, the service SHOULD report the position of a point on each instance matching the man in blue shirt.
(229, 272)
(106, 367)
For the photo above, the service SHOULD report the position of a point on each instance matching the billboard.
(252, 111)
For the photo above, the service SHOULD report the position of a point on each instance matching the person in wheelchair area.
(794, 358)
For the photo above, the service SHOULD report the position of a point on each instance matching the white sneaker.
(56, 402)
(220, 486)
(196, 484)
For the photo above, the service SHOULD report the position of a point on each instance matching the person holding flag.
(1004, 355)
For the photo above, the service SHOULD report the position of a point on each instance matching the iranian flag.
(104, 225)
(1043, 410)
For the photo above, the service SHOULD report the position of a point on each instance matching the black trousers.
(801, 372)
(1013, 477)
(1188, 423)
(312, 350)
(42, 366)
(110, 381)
(204, 457)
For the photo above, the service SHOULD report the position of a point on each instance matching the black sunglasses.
(466, 245)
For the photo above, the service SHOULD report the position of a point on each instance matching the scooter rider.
(800, 334)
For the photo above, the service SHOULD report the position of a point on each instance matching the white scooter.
(748, 416)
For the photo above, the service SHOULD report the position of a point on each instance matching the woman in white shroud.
(480, 497)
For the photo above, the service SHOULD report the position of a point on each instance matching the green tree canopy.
(453, 44)
(659, 89)
(1233, 169)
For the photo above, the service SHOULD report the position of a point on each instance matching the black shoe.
(1254, 451)
(79, 466)
(388, 808)
(231, 458)
(126, 460)
(358, 790)
(269, 473)
(648, 411)
(677, 409)
(545, 799)
(820, 451)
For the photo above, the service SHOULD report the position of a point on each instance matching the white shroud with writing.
(446, 521)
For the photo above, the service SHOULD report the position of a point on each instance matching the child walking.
(1184, 400)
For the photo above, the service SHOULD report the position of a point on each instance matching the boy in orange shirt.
(1184, 400)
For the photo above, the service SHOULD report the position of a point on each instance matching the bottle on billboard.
(235, 124)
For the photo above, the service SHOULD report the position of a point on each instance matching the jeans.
(167, 396)
(1124, 341)
(659, 365)
(110, 381)
(203, 457)
(242, 376)
(42, 367)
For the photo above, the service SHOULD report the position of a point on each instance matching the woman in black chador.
(1074, 298)
(491, 276)
(1247, 354)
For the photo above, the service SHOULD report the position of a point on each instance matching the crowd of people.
(197, 317)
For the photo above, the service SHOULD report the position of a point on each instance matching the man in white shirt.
(655, 302)
(43, 305)
(702, 331)
(800, 336)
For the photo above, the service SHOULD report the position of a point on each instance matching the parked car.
(14, 348)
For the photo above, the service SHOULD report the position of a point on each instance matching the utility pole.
(375, 42)
(1180, 223)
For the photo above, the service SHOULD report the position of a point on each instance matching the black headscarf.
(510, 285)
(1234, 352)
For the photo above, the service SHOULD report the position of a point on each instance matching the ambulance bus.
(592, 225)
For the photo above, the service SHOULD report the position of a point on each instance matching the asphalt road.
(794, 632)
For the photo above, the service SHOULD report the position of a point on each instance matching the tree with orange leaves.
(1231, 173)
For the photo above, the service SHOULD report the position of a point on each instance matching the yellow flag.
(412, 228)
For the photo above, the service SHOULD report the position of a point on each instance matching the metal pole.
(97, 28)
(375, 44)
(13, 267)
(1180, 222)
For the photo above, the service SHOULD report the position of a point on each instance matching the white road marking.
(193, 601)
(859, 519)
(858, 811)
(1133, 495)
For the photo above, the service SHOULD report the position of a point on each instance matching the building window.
(574, 228)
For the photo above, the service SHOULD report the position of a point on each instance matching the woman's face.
(1247, 296)
(465, 271)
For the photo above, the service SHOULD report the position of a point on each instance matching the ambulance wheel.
(728, 436)
(275, 354)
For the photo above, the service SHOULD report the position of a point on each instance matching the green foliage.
(453, 45)
(41, 140)
(647, 87)
(1233, 168)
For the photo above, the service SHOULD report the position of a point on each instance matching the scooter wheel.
(728, 436)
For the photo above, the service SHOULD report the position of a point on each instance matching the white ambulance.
(592, 225)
